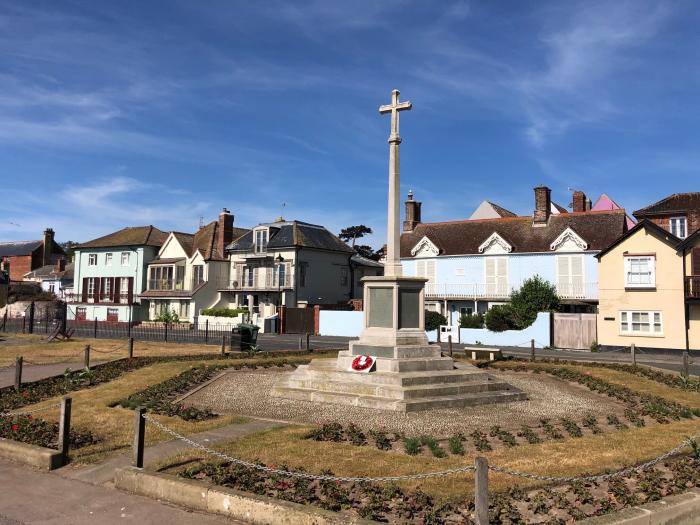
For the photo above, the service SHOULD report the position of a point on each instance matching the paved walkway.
(103, 473)
(32, 497)
(32, 373)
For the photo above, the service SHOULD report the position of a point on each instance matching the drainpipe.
(686, 310)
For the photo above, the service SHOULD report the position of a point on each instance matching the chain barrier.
(304, 475)
(458, 470)
(29, 412)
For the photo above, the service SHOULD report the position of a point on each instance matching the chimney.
(543, 205)
(589, 204)
(60, 265)
(579, 202)
(225, 231)
(412, 213)
(48, 246)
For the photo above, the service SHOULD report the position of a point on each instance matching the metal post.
(223, 344)
(86, 358)
(18, 372)
(449, 343)
(481, 491)
(46, 320)
(633, 351)
(139, 436)
(165, 333)
(301, 343)
(31, 317)
(4, 322)
(532, 350)
(686, 365)
(64, 427)
(308, 342)
(64, 318)
(230, 340)
(94, 329)
(24, 324)
(131, 347)
(206, 332)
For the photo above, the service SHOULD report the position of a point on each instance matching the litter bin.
(249, 335)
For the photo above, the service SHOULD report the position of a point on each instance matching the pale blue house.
(473, 264)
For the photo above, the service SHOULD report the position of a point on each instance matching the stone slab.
(40, 457)
(679, 509)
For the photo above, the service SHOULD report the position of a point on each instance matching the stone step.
(464, 400)
(412, 364)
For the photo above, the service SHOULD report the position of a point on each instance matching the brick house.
(678, 214)
(18, 258)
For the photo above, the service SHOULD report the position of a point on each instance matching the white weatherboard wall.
(339, 322)
(539, 331)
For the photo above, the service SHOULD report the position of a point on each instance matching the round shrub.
(500, 318)
(433, 320)
(472, 321)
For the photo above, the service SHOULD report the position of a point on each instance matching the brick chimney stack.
(48, 246)
(60, 265)
(412, 213)
(580, 203)
(225, 231)
(543, 205)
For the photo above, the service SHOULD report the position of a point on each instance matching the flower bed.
(32, 431)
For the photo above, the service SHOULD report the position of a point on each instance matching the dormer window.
(261, 238)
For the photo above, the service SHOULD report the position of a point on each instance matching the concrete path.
(32, 497)
(103, 473)
(32, 373)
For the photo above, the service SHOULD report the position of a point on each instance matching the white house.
(54, 278)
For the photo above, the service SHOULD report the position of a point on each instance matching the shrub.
(412, 446)
(223, 312)
(455, 444)
(472, 321)
(500, 318)
(168, 316)
(433, 320)
(535, 295)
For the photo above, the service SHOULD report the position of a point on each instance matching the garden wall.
(339, 322)
(230, 322)
(539, 331)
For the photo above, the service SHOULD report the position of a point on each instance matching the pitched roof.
(604, 202)
(652, 227)
(290, 234)
(676, 203)
(598, 229)
(364, 261)
(18, 248)
(490, 210)
(49, 272)
(130, 236)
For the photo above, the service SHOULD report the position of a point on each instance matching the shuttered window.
(570, 275)
(496, 276)
(426, 268)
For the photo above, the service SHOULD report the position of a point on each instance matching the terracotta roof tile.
(131, 236)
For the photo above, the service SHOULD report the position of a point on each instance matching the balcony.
(121, 298)
(474, 291)
(692, 287)
(255, 285)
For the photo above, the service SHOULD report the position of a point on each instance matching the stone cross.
(392, 267)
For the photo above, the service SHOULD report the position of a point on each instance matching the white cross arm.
(387, 108)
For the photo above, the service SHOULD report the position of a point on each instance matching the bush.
(500, 318)
(223, 312)
(28, 292)
(472, 321)
(168, 316)
(433, 320)
(535, 295)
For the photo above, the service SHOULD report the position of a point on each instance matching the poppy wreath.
(362, 362)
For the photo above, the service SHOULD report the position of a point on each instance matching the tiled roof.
(131, 236)
(501, 210)
(678, 202)
(364, 261)
(598, 229)
(49, 272)
(18, 248)
(649, 226)
(289, 234)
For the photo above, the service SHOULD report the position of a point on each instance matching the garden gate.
(299, 321)
(577, 331)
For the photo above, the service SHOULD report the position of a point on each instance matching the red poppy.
(29, 417)
(14, 427)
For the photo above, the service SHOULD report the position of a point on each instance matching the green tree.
(535, 295)
(475, 320)
(69, 248)
(433, 320)
(366, 251)
(500, 318)
(352, 233)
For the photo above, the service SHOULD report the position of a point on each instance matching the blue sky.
(129, 113)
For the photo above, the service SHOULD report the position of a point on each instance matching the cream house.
(649, 292)
(183, 278)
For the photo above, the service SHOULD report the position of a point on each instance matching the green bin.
(249, 336)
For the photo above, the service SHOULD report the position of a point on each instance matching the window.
(106, 289)
(343, 276)
(281, 275)
(124, 290)
(426, 268)
(91, 283)
(112, 315)
(679, 227)
(459, 272)
(92, 259)
(496, 276)
(125, 258)
(261, 240)
(640, 271)
(108, 259)
(641, 323)
(465, 310)
(81, 313)
(197, 274)
(52, 288)
(248, 276)
(570, 276)
(302, 274)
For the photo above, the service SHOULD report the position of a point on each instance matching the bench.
(476, 353)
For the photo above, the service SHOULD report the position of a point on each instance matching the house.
(474, 264)
(679, 213)
(54, 278)
(184, 276)
(605, 203)
(650, 290)
(20, 257)
(485, 210)
(110, 275)
(291, 263)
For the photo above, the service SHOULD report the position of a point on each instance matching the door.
(112, 315)
(81, 314)
(577, 331)
(299, 321)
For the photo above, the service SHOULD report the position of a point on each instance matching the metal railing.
(692, 287)
(474, 291)
(171, 285)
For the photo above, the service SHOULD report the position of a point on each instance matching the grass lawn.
(114, 426)
(36, 350)
(572, 456)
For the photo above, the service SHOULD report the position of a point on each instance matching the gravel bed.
(247, 393)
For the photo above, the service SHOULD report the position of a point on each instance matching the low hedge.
(223, 312)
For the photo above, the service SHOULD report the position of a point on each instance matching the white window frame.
(678, 221)
(628, 267)
(125, 258)
(492, 289)
(627, 321)
(260, 245)
(91, 289)
(92, 259)
(108, 259)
